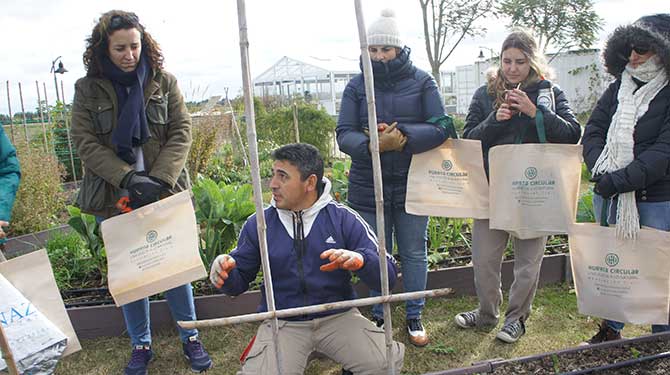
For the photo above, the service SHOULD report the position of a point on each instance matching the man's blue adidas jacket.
(295, 261)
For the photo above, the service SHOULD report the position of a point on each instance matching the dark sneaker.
(197, 355)
(379, 322)
(139, 360)
(467, 319)
(511, 332)
(347, 372)
(605, 333)
(417, 334)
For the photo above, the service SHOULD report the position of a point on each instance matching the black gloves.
(604, 185)
(142, 189)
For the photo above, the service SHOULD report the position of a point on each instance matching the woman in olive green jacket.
(132, 132)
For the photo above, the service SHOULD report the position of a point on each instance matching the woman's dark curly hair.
(97, 44)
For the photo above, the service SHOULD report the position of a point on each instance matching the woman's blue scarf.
(131, 129)
(389, 73)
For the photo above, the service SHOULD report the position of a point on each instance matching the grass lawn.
(554, 324)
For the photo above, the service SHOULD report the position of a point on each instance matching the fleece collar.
(308, 215)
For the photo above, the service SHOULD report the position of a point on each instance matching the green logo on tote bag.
(530, 173)
(151, 236)
(447, 165)
(611, 259)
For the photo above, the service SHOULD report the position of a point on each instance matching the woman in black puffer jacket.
(405, 98)
(627, 139)
(503, 112)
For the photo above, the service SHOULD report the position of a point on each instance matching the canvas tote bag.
(622, 280)
(32, 276)
(449, 181)
(152, 249)
(534, 188)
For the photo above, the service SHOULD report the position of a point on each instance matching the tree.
(560, 23)
(447, 22)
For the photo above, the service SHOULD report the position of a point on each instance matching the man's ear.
(311, 183)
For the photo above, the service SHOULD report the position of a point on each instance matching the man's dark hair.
(303, 156)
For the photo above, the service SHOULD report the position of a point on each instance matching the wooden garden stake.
(39, 108)
(237, 130)
(11, 119)
(255, 174)
(377, 178)
(295, 122)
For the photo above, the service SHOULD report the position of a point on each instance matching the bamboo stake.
(255, 174)
(46, 104)
(237, 130)
(287, 313)
(4, 343)
(295, 122)
(11, 119)
(39, 108)
(7, 353)
(377, 177)
(23, 115)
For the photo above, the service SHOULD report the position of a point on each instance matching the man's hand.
(342, 259)
(2, 231)
(223, 264)
(390, 138)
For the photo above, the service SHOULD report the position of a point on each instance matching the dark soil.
(593, 358)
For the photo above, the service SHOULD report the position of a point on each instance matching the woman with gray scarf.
(627, 139)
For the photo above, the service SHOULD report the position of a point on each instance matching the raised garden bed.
(107, 320)
(649, 355)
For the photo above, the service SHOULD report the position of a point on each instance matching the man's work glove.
(223, 264)
(390, 138)
(342, 259)
(604, 186)
(142, 189)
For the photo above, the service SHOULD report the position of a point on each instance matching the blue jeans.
(137, 315)
(410, 232)
(652, 214)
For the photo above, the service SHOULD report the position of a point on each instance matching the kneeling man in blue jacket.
(314, 245)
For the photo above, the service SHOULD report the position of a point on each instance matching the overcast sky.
(200, 38)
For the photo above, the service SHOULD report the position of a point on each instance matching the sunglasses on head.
(641, 49)
(118, 22)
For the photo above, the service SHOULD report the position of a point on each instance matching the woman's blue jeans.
(652, 214)
(137, 314)
(410, 233)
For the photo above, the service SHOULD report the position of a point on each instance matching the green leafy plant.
(221, 211)
(585, 208)
(40, 199)
(339, 177)
(315, 126)
(205, 135)
(634, 352)
(555, 363)
(71, 262)
(442, 349)
(228, 166)
(89, 229)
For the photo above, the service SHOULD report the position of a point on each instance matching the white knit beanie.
(384, 31)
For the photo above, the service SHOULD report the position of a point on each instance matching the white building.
(321, 78)
(580, 74)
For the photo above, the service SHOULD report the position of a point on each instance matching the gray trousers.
(488, 247)
(347, 338)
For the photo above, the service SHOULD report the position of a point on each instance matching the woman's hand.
(519, 101)
(504, 113)
(390, 138)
